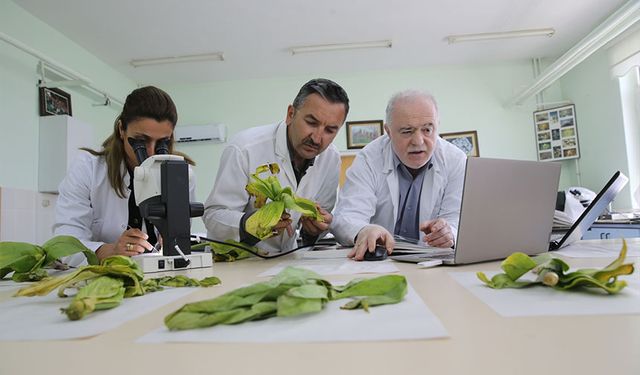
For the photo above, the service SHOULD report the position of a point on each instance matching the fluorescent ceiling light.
(500, 35)
(340, 46)
(217, 56)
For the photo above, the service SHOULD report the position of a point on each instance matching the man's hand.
(282, 225)
(132, 242)
(313, 227)
(368, 237)
(437, 233)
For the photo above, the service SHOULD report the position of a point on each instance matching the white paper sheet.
(599, 249)
(407, 320)
(333, 266)
(327, 253)
(39, 318)
(545, 301)
(10, 285)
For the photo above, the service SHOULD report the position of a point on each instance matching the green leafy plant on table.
(229, 252)
(27, 261)
(553, 272)
(293, 291)
(102, 287)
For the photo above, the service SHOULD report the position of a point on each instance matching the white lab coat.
(249, 149)
(89, 209)
(371, 193)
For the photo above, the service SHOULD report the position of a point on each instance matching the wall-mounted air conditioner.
(197, 133)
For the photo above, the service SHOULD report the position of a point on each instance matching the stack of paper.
(411, 246)
(562, 220)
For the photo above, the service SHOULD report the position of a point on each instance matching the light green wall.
(470, 98)
(19, 92)
(600, 125)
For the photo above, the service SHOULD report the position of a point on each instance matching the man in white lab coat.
(309, 164)
(407, 182)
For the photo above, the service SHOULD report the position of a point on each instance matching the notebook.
(591, 213)
(507, 206)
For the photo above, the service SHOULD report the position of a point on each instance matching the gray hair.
(408, 94)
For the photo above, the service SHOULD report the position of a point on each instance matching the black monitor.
(595, 209)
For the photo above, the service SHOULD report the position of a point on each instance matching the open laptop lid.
(507, 206)
(595, 209)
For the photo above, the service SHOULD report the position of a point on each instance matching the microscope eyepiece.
(162, 147)
(139, 148)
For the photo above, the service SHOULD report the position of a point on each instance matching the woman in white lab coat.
(96, 203)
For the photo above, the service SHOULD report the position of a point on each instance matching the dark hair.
(144, 102)
(148, 102)
(327, 89)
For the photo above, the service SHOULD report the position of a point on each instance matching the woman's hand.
(132, 242)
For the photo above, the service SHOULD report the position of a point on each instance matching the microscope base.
(158, 263)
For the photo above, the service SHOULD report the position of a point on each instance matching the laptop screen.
(595, 209)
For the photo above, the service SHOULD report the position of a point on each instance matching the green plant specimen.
(27, 261)
(293, 291)
(261, 223)
(229, 252)
(103, 286)
(553, 272)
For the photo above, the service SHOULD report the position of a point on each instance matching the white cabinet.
(609, 231)
(60, 137)
(26, 216)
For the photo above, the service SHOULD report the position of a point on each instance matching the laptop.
(598, 205)
(507, 206)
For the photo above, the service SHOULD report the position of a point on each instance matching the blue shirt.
(409, 187)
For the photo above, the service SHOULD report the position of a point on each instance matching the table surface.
(480, 341)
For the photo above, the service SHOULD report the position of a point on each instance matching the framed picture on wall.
(466, 141)
(360, 133)
(54, 102)
(556, 132)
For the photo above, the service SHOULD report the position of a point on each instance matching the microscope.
(161, 187)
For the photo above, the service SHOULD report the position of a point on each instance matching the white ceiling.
(255, 34)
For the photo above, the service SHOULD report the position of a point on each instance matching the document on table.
(39, 318)
(410, 319)
(334, 266)
(599, 249)
(545, 301)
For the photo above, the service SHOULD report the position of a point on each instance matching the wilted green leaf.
(229, 252)
(103, 286)
(101, 293)
(261, 223)
(292, 292)
(553, 272)
(27, 260)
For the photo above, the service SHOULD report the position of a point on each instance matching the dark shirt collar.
(307, 163)
(411, 171)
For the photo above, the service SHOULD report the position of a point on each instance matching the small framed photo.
(360, 133)
(556, 133)
(54, 102)
(466, 141)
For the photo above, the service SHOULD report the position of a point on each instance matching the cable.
(199, 239)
